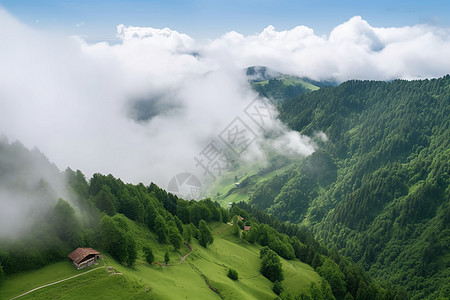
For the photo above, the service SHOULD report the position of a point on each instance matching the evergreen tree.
(200, 211)
(166, 257)
(77, 182)
(148, 254)
(299, 248)
(331, 272)
(235, 229)
(187, 233)
(175, 237)
(263, 233)
(252, 235)
(131, 249)
(225, 215)
(179, 224)
(96, 183)
(160, 228)
(104, 200)
(205, 236)
(152, 213)
(66, 223)
(114, 239)
(271, 266)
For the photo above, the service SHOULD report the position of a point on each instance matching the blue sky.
(97, 20)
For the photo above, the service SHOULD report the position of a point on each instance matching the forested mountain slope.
(138, 225)
(378, 189)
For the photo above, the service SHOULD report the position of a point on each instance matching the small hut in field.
(84, 257)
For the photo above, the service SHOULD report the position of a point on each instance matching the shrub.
(277, 287)
(233, 274)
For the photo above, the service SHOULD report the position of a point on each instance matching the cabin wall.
(87, 263)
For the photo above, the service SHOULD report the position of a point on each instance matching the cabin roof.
(80, 253)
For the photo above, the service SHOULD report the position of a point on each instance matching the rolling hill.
(279, 87)
(188, 279)
(126, 222)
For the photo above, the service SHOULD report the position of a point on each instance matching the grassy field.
(224, 190)
(192, 279)
(19, 283)
(291, 80)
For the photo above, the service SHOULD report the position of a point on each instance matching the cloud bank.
(143, 109)
(352, 50)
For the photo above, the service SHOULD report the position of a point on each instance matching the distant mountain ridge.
(279, 87)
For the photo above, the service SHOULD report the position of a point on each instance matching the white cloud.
(321, 136)
(292, 143)
(353, 50)
(72, 99)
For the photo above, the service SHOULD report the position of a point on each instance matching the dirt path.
(184, 257)
(43, 286)
(181, 260)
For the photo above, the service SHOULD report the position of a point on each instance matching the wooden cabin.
(84, 257)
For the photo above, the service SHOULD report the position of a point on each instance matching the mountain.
(159, 245)
(378, 188)
(277, 86)
(375, 192)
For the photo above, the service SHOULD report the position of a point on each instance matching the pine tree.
(148, 254)
(175, 237)
(104, 201)
(271, 266)
(205, 236)
(166, 258)
(131, 249)
(160, 228)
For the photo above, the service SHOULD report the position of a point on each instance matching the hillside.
(378, 189)
(279, 87)
(176, 280)
(136, 227)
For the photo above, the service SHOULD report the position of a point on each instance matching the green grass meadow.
(192, 279)
(225, 191)
(291, 80)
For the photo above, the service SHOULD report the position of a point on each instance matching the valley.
(364, 217)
